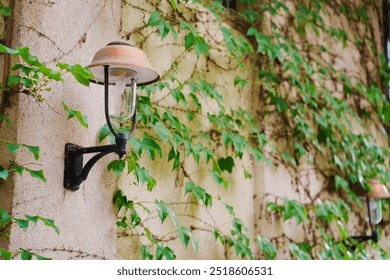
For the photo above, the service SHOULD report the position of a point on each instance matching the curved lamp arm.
(75, 172)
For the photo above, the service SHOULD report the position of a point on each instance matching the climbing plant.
(307, 114)
(299, 122)
(32, 78)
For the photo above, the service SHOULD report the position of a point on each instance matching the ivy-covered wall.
(257, 142)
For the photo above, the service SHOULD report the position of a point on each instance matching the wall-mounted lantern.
(123, 66)
(374, 199)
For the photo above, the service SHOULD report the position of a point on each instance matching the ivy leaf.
(105, 132)
(199, 193)
(13, 80)
(4, 174)
(184, 235)
(218, 235)
(49, 223)
(295, 209)
(26, 255)
(155, 19)
(34, 150)
(189, 41)
(23, 224)
(36, 174)
(162, 131)
(83, 120)
(33, 219)
(82, 74)
(241, 82)
(201, 46)
(150, 146)
(145, 253)
(164, 211)
(298, 252)
(12, 147)
(4, 49)
(117, 166)
(173, 4)
(4, 10)
(175, 155)
(8, 122)
(226, 164)
(163, 251)
(266, 247)
(6, 255)
(5, 218)
(287, 157)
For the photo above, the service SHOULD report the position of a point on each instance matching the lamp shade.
(124, 60)
(378, 190)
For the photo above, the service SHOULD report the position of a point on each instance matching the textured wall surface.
(72, 31)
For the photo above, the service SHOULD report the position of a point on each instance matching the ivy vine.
(300, 121)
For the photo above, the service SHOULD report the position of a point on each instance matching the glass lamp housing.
(128, 67)
(375, 210)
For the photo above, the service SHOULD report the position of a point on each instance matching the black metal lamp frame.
(75, 173)
(374, 232)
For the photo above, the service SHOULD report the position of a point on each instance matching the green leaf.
(201, 46)
(266, 247)
(162, 131)
(199, 193)
(18, 169)
(34, 150)
(13, 80)
(4, 49)
(104, 133)
(6, 255)
(163, 251)
(4, 10)
(184, 235)
(49, 223)
(287, 157)
(4, 174)
(36, 174)
(173, 4)
(82, 74)
(150, 146)
(145, 253)
(189, 41)
(298, 252)
(218, 235)
(175, 155)
(33, 219)
(12, 147)
(117, 166)
(8, 122)
(226, 164)
(26, 255)
(23, 224)
(5, 218)
(41, 258)
(83, 120)
(155, 19)
(164, 211)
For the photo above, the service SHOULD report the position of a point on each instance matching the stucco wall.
(72, 31)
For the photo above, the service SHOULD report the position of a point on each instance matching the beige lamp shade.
(123, 59)
(378, 190)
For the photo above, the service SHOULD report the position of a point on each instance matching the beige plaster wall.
(72, 31)
(170, 185)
